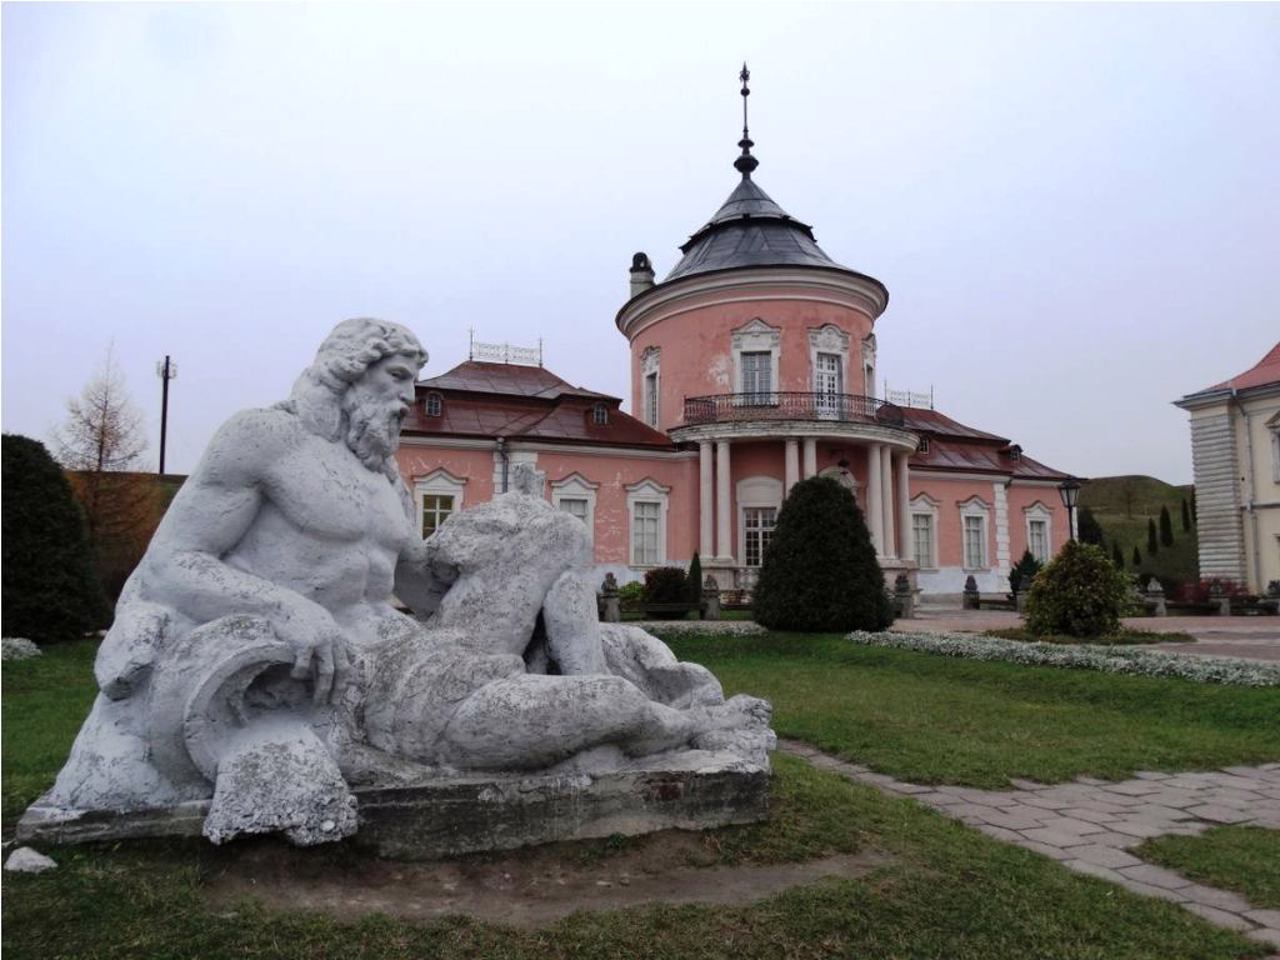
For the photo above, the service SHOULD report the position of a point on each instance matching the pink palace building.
(753, 365)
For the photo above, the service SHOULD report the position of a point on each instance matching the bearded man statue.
(258, 669)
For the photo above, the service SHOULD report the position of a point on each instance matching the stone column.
(875, 502)
(724, 542)
(792, 461)
(886, 493)
(706, 501)
(810, 457)
(905, 548)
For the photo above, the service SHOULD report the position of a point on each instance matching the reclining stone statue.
(257, 660)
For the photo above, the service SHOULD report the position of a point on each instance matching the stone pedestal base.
(466, 814)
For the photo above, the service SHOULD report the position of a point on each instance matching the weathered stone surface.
(453, 815)
(26, 860)
(257, 670)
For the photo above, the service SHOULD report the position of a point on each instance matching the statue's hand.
(319, 648)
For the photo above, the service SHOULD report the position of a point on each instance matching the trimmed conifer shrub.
(1026, 568)
(1166, 527)
(1186, 515)
(1137, 557)
(1088, 530)
(820, 570)
(50, 591)
(1153, 544)
(694, 585)
(1117, 556)
(1079, 593)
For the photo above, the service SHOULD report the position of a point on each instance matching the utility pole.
(166, 370)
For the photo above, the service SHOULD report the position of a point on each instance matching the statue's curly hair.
(346, 353)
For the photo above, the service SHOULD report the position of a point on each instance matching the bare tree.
(103, 430)
(101, 445)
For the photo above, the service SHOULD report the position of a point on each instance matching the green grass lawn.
(944, 720)
(1123, 637)
(942, 891)
(1243, 859)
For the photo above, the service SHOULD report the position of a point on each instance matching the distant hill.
(1122, 506)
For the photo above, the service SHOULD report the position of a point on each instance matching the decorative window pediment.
(829, 339)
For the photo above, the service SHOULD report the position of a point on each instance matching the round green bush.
(50, 592)
(1079, 593)
(820, 571)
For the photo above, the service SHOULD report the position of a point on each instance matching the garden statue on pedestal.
(257, 663)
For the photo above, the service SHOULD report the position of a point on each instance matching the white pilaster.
(1003, 560)
(810, 457)
(904, 502)
(792, 465)
(706, 501)
(886, 492)
(875, 500)
(724, 518)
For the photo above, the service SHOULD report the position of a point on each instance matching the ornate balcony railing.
(745, 407)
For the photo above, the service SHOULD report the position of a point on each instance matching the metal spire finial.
(745, 163)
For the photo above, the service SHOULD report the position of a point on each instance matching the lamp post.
(1069, 490)
(166, 370)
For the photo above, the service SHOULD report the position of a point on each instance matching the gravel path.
(1090, 825)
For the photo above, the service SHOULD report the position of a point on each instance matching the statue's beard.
(373, 430)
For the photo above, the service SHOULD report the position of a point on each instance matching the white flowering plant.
(1108, 659)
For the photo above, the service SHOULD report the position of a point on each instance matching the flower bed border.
(1108, 659)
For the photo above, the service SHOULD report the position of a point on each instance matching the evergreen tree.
(1117, 557)
(1088, 530)
(50, 590)
(1166, 527)
(820, 571)
(695, 579)
(1186, 515)
(1137, 557)
(1194, 519)
(1025, 569)
(1153, 544)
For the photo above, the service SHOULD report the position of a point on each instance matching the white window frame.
(577, 487)
(1039, 513)
(975, 506)
(869, 364)
(433, 399)
(651, 367)
(647, 490)
(923, 505)
(439, 482)
(830, 339)
(600, 414)
(1274, 426)
(755, 492)
(756, 336)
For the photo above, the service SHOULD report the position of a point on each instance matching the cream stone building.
(1235, 450)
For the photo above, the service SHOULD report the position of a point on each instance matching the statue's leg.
(573, 625)
(528, 721)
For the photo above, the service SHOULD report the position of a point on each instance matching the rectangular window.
(575, 507)
(975, 542)
(828, 383)
(651, 399)
(644, 534)
(435, 508)
(922, 534)
(1038, 539)
(757, 376)
(758, 531)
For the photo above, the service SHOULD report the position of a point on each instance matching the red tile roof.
(505, 400)
(507, 379)
(1265, 371)
(954, 446)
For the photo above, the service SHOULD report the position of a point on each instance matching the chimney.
(641, 273)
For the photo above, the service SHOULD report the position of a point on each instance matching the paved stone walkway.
(1090, 825)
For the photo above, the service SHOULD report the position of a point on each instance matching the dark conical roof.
(750, 230)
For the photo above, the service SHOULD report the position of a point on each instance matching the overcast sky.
(1076, 209)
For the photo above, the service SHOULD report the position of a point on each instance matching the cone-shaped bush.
(50, 590)
(820, 571)
(1079, 593)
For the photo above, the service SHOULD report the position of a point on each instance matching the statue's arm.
(423, 577)
(215, 508)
